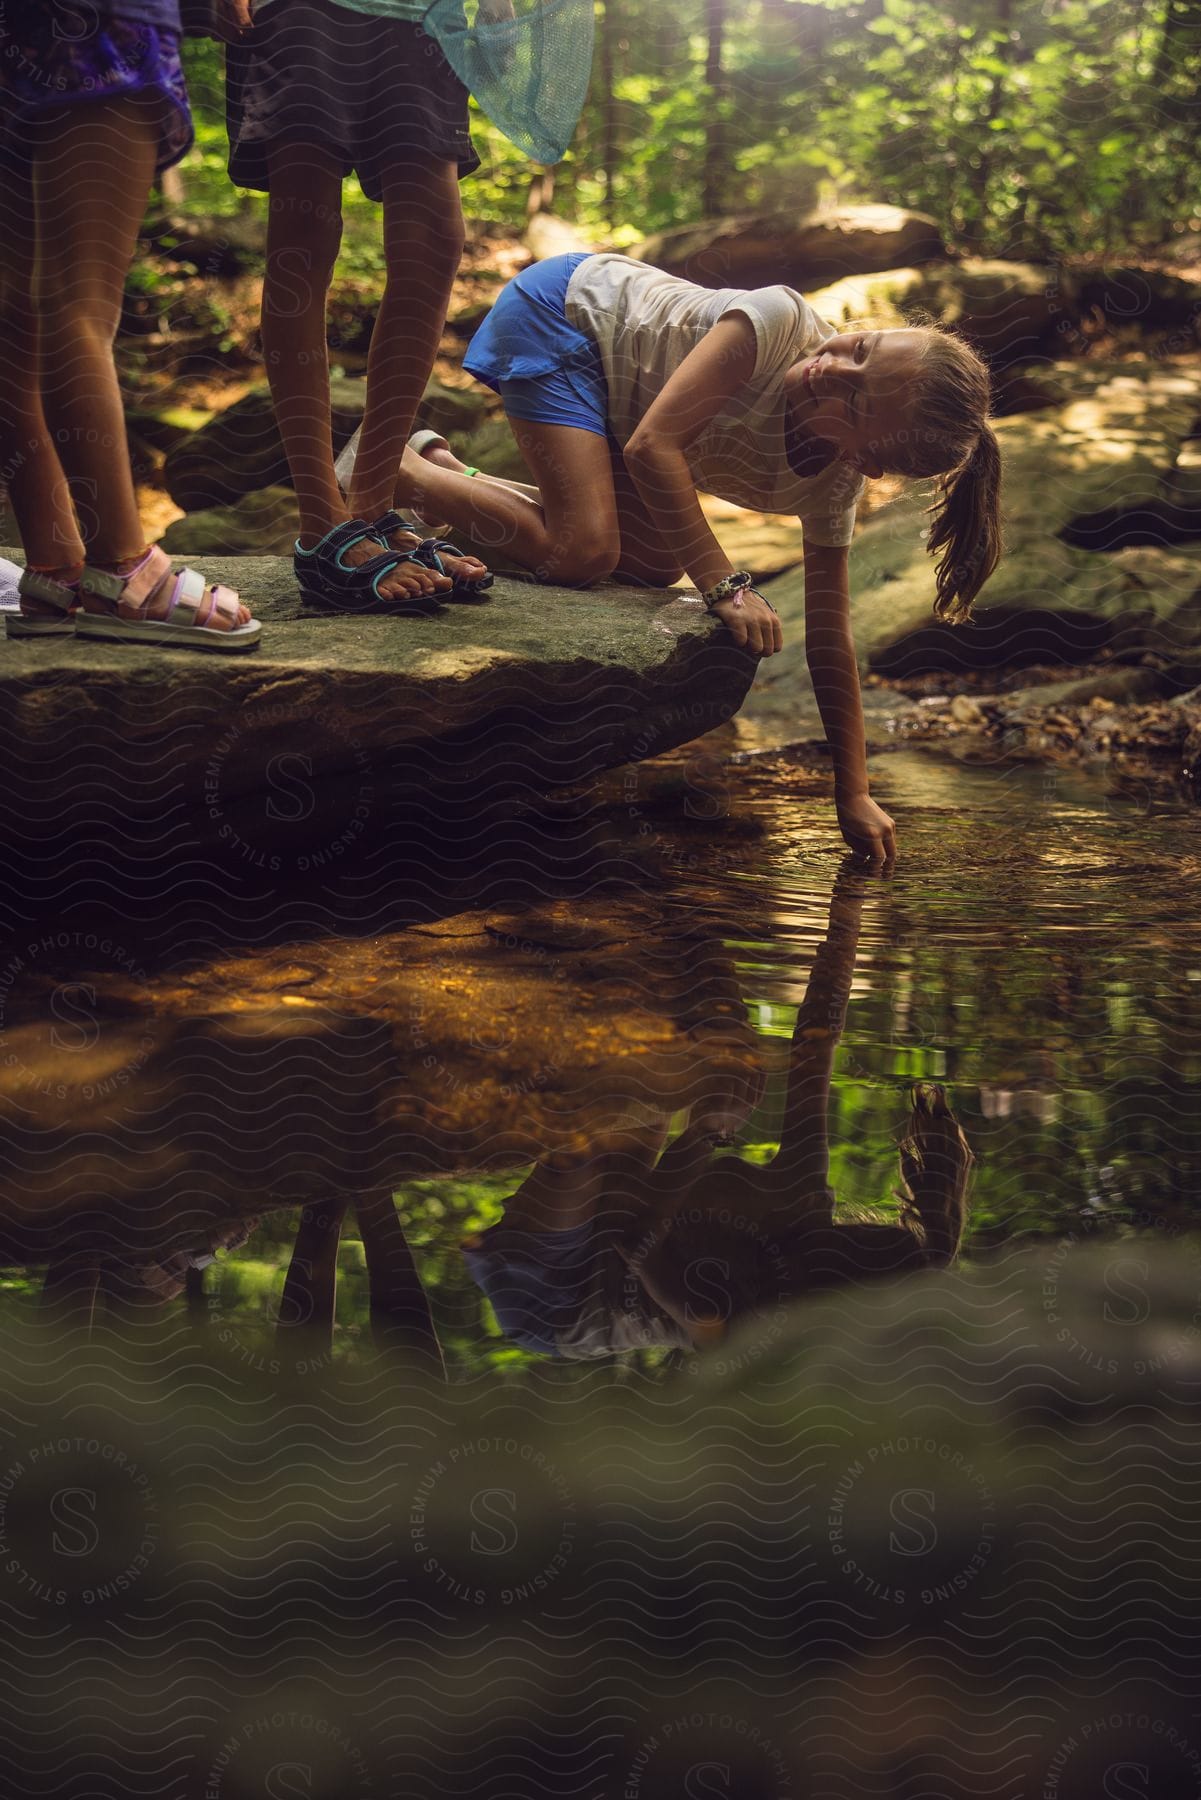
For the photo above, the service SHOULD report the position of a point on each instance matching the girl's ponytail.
(954, 442)
(966, 534)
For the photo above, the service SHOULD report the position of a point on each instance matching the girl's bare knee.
(83, 324)
(436, 246)
(578, 567)
(301, 271)
(644, 572)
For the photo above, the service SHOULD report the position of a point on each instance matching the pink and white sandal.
(156, 603)
(51, 610)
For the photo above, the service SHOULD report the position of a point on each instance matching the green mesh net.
(526, 61)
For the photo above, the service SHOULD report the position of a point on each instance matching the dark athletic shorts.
(369, 90)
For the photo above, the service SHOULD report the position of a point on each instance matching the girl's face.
(854, 392)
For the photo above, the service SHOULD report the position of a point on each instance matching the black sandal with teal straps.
(429, 554)
(325, 580)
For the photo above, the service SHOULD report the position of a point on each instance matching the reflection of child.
(733, 1242)
(690, 1244)
(401, 1320)
(552, 1268)
(92, 104)
(633, 1252)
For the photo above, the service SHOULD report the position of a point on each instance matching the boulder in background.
(240, 450)
(800, 250)
(264, 523)
(1015, 312)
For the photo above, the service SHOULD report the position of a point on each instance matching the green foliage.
(1056, 127)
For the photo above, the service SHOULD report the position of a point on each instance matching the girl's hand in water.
(752, 622)
(867, 828)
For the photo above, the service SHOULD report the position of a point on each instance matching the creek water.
(1035, 950)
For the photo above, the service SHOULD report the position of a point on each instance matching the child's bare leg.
(643, 559)
(306, 1306)
(557, 1198)
(569, 535)
(400, 1312)
(423, 244)
(92, 172)
(91, 176)
(444, 457)
(29, 464)
(304, 232)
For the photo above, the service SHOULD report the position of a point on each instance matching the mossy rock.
(240, 450)
(168, 427)
(468, 320)
(260, 524)
(1013, 311)
(438, 716)
(493, 448)
(800, 249)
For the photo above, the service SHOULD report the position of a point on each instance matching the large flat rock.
(344, 720)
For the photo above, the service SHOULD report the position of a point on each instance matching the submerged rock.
(240, 449)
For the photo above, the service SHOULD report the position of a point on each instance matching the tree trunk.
(714, 174)
(609, 31)
(170, 186)
(980, 177)
(542, 191)
(1177, 76)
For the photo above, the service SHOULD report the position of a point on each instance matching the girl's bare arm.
(834, 668)
(710, 375)
(800, 1168)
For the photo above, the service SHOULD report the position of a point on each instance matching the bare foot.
(409, 580)
(463, 568)
(444, 456)
(459, 568)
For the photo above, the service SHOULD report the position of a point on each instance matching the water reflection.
(561, 1093)
(643, 1246)
(275, 1547)
(640, 1227)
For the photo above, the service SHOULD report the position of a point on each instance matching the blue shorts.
(537, 1281)
(543, 369)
